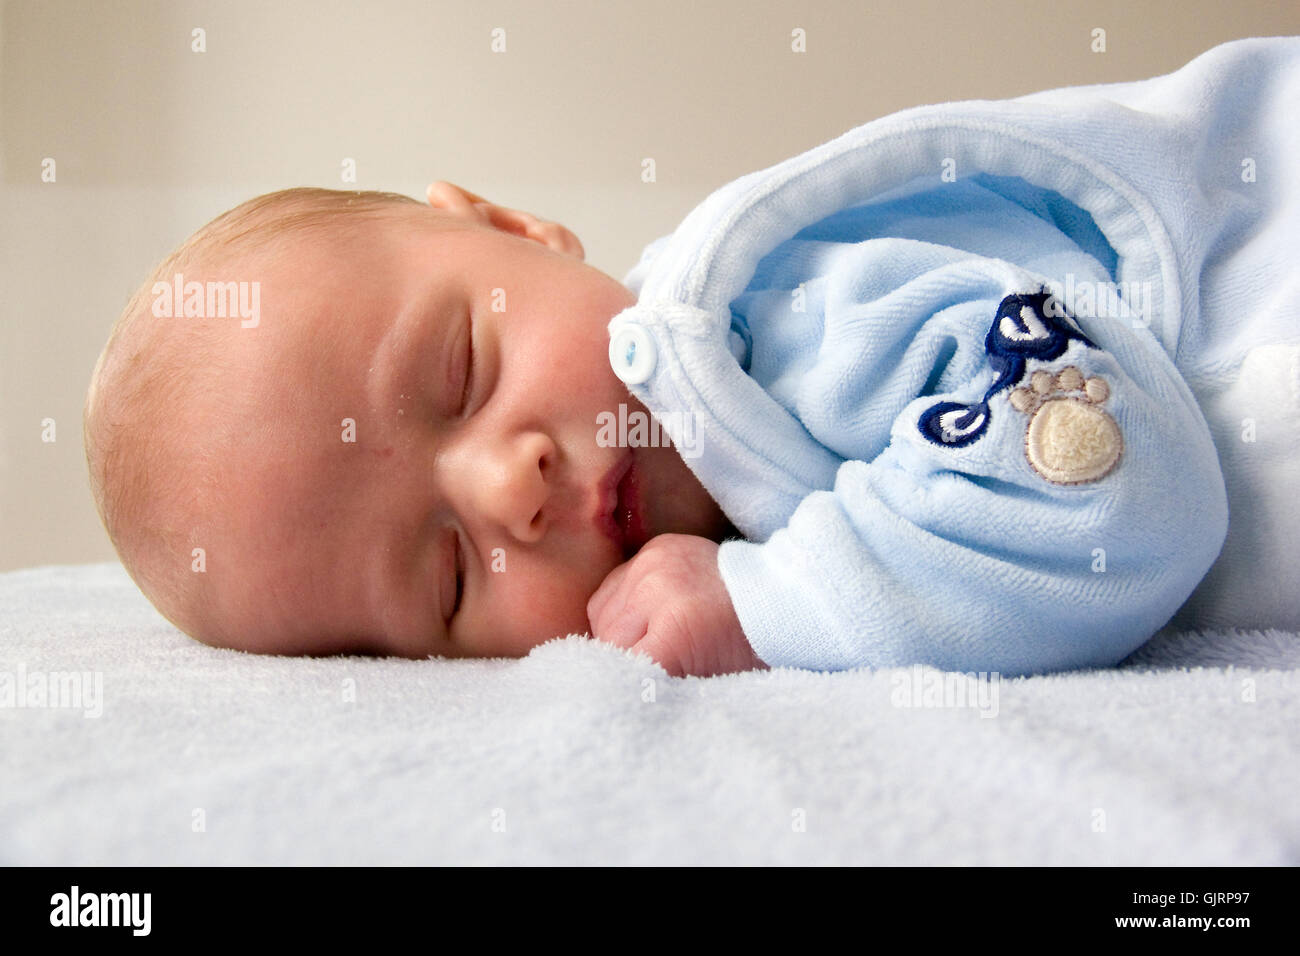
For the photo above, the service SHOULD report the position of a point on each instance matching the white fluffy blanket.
(585, 753)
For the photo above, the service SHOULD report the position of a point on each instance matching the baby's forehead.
(342, 311)
(351, 268)
(326, 320)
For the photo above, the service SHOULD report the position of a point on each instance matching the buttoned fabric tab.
(632, 354)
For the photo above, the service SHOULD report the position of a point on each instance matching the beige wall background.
(152, 139)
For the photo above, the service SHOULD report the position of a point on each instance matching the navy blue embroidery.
(1026, 327)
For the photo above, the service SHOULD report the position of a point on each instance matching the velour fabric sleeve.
(1046, 496)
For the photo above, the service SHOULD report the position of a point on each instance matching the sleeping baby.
(974, 386)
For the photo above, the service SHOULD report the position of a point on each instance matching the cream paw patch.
(1070, 439)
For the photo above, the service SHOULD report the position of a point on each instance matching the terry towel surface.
(584, 753)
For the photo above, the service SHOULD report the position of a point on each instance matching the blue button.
(632, 354)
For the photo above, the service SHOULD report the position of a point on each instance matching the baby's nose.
(516, 491)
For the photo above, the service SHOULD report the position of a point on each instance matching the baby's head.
(391, 448)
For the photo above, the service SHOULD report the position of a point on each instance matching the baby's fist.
(669, 602)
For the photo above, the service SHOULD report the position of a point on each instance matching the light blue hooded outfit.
(978, 381)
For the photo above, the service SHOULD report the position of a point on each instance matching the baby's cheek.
(539, 602)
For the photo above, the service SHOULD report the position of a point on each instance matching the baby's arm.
(669, 602)
(1053, 514)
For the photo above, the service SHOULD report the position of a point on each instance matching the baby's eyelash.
(460, 578)
(469, 369)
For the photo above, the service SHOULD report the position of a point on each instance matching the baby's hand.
(669, 602)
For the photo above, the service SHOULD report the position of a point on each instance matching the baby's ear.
(461, 202)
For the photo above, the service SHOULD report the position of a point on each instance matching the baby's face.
(467, 510)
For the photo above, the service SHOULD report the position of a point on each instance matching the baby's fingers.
(608, 613)
(596, 604)
(663, 650)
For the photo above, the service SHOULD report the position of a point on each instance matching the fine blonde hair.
(154, 379)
